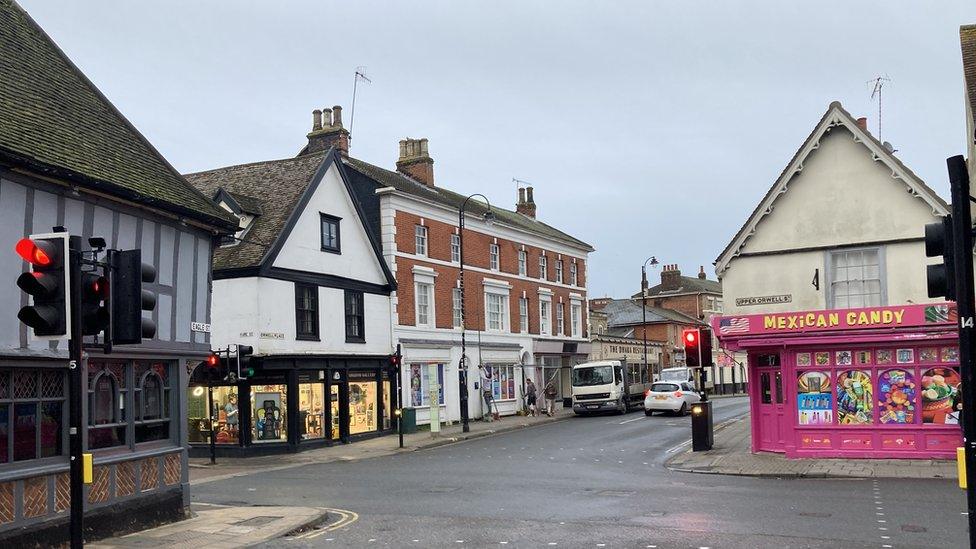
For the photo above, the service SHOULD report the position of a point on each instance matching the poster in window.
(864, 357)
(884, 356)
(822, 358)
(905, 356)
(896, 397)
(511, 385)
(940, 388)
(928, 355)
(803, 359)
(844, 358)
(416, 388)
(950, 354)
(855, 399)
(813, 399)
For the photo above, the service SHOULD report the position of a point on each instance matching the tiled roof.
(967, 38)
(624, 312)
(689, 284)
(248, 204)
(274, 187)
(55, 121)
(400, 182)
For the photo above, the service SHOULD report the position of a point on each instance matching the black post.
(399, 393)
(962, 251)
(211, 414)
(644, 312)
(75, 395)
(462, 364)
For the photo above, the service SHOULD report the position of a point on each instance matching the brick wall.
(476, 254)
(691, 305)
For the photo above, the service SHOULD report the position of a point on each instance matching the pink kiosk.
(879, 382)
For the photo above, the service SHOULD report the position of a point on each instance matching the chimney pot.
(403, 149)
(863, 123)
(337, 116)
(316, 120)
(528, 195)
(423, 147)
(521, 196)
(526, 205)
(326, 118)
(701, 272)
(415, 161)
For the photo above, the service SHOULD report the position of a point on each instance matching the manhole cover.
(913, 528)
(257, 521)
(816, 515)
(616, 493)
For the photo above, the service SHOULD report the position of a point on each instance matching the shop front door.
(771, 410)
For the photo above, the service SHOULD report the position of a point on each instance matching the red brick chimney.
(327, 131)
(863, 123)
(415, 161)
(526, 204)
(670, 277)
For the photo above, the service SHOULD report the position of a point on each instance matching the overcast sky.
(647, 128)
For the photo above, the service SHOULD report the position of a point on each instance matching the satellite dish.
(888, 147)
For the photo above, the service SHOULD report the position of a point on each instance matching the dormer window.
(330, 233)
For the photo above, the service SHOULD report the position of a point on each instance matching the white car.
(670, 396)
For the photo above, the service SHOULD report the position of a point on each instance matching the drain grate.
(257, 521)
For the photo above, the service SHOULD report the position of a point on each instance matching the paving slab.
(731, 454)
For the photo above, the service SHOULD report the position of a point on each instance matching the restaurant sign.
(835, 319)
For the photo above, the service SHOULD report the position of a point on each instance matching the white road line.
(677, 447)
(629, 420)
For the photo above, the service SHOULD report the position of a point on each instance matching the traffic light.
(48, 283)
(216, 367)
(692, 342)
(244, 368)
(941, 276)
(129, 300)
(94, 303)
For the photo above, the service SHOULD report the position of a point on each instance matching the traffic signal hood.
(698, 346)
(129, 299)
(48, 283)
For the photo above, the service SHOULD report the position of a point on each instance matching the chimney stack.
(327, 131)
(415, 161)
(526, 204)
(863, 123)
(670, 277)
(701, 272)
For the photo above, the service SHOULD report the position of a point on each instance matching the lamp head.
(489, 217)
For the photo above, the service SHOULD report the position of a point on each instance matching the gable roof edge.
(835, 116)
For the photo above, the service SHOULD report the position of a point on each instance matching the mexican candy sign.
(901, 316)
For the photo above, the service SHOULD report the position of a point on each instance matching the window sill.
(361, 340)
(336, 251)
(307, 338)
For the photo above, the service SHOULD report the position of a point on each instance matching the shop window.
(502, 382)
(311, 410)
(362, 403)
(355, 317)
(856, 278)
(420, 381)
(306, 312)
(33, 410)
(330, 233)
(387, 400)
(940, 396)
(226, 411)
(110, 396)
(814, 399)
(268, 413)
(334, 408)
(896, 397)
(855, 399)
(106, 412)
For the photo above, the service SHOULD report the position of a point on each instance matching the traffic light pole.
(77, 520)
(962, 249)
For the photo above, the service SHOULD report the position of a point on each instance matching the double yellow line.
(345, 519)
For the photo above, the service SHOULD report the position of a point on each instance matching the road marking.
(629, 420)
(677, 447)
(345, 519)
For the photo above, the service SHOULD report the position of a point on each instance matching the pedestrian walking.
(550, 394)
(530, 396)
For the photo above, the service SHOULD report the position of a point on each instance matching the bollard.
(702, 431)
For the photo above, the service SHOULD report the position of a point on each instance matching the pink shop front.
(879, 382)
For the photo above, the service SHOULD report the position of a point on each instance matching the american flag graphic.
(733, 325)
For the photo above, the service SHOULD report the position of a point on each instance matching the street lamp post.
(653, 261)
(462, 364)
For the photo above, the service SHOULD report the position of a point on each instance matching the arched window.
(152, 397)
(103, 399)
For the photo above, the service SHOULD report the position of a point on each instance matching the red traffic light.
(40, 253)
(213, 360)
(691, 337)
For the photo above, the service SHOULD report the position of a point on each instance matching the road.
(597, 482)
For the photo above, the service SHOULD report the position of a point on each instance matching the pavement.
(731, 454)
(201, 471)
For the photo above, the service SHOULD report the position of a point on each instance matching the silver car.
(670, 396)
